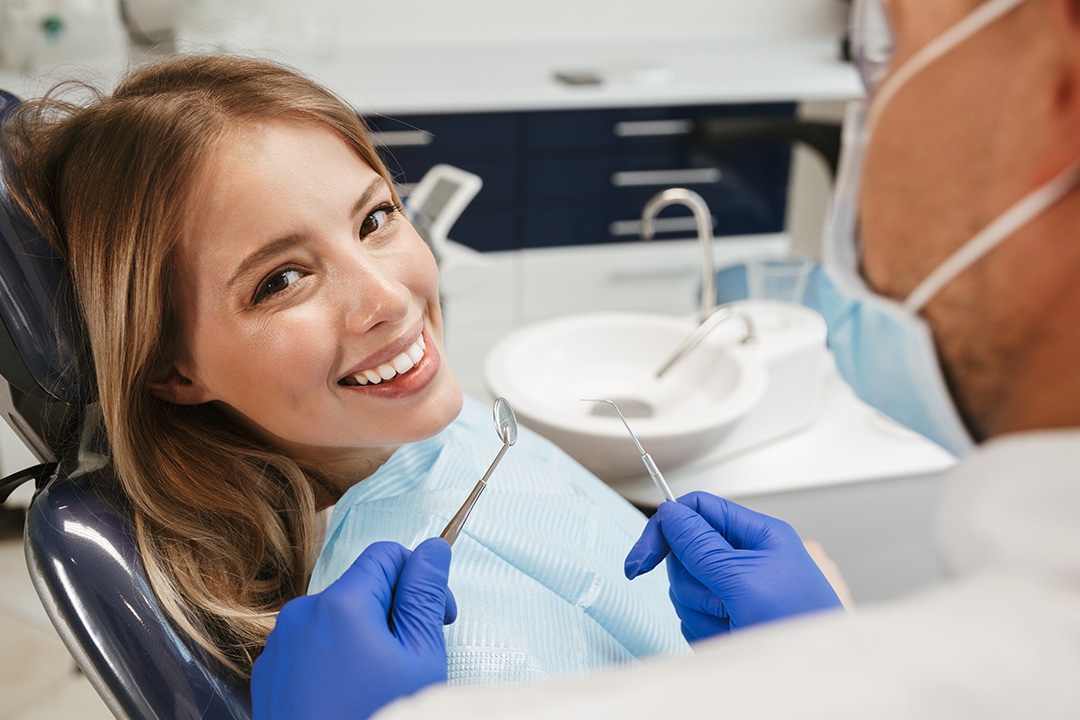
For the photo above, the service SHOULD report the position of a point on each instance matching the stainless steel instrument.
(650, 466)
(506, 426)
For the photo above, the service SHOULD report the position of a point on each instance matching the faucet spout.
(689, 198)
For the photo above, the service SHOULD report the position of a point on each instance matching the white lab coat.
(1000, 638)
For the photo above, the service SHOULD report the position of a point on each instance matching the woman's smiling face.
(299, 283)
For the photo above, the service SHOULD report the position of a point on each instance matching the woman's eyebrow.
(372, 190)
(266, 251)
(290, 241)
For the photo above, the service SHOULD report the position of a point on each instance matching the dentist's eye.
(276, 283)
(378, 218)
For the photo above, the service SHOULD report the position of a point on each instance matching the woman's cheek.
(427, 272)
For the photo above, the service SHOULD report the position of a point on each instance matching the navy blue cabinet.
(574, 177)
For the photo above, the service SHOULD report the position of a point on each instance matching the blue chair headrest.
(43, 350)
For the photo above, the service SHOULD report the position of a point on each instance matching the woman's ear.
(169, 384)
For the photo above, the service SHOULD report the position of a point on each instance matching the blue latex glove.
(729, 567)
(371, 637)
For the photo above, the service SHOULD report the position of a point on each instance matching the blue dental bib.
(537, 571)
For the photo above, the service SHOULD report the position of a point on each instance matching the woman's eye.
(278, 282)
(376, 219)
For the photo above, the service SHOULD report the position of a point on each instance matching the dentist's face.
(299, 283)
(961, 141)
(941, 151)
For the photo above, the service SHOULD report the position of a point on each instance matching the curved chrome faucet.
(689, 198)
(706, 326)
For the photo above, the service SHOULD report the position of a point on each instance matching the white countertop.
(437, 77)
(849, 443)
(510, 77)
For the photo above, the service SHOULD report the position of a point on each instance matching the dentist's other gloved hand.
(729, 567)
(371, 637)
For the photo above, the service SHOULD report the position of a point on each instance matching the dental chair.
(80, 548)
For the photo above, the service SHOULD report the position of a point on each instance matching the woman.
(264, 324)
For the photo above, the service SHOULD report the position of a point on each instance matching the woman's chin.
(441, 406)
(448, 403)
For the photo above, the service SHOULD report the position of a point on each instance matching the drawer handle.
(627, 228)
(652, 128)
(689, 176)
(402, 138)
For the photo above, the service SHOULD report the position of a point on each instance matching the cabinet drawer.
(627, 128)
(733, 214)
(500, 178)
(763, 167)
(485, 231)
(582, 176)
(435, 134)
(606, 178)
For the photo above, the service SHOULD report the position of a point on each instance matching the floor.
(38, 678)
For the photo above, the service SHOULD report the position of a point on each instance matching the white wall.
(810, 186)
(587, 18)
(369, 23)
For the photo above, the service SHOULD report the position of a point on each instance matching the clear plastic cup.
(778, 278)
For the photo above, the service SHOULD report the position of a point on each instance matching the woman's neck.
(334, 476)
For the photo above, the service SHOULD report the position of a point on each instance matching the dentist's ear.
(168, 383)
(1063, 106)
(1071, 11)
(1065, 15)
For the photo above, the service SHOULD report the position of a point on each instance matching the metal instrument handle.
(453, 528)
(657, 477)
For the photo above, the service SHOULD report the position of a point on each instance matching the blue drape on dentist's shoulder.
(537, 572)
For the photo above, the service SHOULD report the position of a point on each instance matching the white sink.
(546, 369)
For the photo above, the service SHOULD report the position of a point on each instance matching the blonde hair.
(223, 521)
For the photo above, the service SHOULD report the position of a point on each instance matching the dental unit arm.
(433, 206)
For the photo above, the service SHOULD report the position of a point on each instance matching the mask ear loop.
(973, 22)
(1003, 227)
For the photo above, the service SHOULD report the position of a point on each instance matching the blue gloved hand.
(729, 567)
(373, 636)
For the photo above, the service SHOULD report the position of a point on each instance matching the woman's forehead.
(270, 178)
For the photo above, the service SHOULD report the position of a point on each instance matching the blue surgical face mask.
(883, 348)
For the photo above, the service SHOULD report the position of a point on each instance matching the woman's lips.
(400, 364)
(411, 381)
(388, 354)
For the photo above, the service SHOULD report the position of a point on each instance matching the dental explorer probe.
(654, 472)
(506, 426)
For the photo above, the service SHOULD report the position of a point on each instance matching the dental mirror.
(505, 421)
(506, 427)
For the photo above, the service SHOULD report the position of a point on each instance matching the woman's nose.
(372, 295)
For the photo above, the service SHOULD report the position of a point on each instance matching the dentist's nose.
(374, 296)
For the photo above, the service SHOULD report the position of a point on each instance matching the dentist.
(952, 301)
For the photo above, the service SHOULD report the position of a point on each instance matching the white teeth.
(400, 365)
